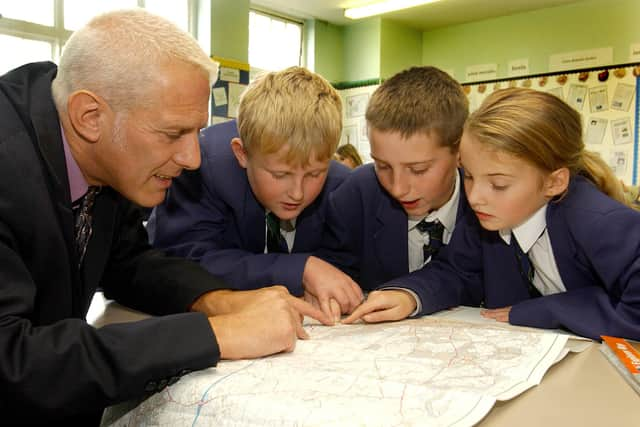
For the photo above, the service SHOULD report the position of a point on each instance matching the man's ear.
(557, 182)
(85, 110)
(237, 146)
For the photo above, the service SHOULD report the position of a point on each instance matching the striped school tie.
(83, 221)
(435, 230)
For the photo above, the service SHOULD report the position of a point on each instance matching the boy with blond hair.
(389, 219)
(254, 211)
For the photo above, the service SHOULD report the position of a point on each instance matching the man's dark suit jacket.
(54, 367)
(212, 216)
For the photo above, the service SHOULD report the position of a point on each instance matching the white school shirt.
(289, 236)
(446, 215)
(533, 237)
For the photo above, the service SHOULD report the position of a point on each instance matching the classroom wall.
(361, 50)
(230, 29)
(400, 48)
(325, 50)
(535, 35)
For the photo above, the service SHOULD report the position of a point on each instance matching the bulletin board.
(354, 125)
(233, 78)
(606, 98)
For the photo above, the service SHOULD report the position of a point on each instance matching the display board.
(354, 124)
(605, 97)
(233, 78)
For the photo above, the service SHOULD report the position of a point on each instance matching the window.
(36, 11)
(31, 31)
(22, 51)
(177, 11)
(79, 12)
(274, 43)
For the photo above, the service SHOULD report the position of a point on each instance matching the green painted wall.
(400, 48)
(329, 51)
(230, 29)
(535, 35)
(361, 50)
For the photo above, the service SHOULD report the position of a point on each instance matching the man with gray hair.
(82, 146)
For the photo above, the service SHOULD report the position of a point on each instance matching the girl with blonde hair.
(550, 241)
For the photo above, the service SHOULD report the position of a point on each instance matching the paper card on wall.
(229, 74)
(595, 129)
(621, 130)
(357, 105)
(598, 98)
(349, 135)
(634, 52)
(622, 97)
(481, 72)
(235, 90)
(581, 59)
(576, 98)
(364, 148)
(618, 162)
(219, 96)
(518, 67)
(364, 131)
(557, 91)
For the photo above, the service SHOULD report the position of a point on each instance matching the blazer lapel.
(49, 142)
(252, 221)
(573, 269)
(98, 250)
(391, 248)
(308, 229)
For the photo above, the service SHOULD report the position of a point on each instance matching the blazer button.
(150, 386)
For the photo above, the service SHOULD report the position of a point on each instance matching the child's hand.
(383, 306)
(499, 314)
(335, 292)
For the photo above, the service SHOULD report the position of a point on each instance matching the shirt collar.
(292, 220)
(78, 186)
(529, 231)
(447, 214)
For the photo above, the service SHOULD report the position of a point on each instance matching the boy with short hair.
(254, 211)
(390, 218)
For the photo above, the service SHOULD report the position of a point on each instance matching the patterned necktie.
(527, 271)
(83, 215)
(435, 230)
(276, 243)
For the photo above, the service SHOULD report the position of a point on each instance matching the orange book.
(624, 357)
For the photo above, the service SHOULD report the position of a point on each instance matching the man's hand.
(499, 314)
(333, 291)
(382, 306)
(261, 322)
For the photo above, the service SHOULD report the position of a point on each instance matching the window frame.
(283, 18)
(57, 35)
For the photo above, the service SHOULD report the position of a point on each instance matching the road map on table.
(430, 371)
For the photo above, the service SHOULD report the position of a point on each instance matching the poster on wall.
(621, 129)
(598, 98)
(622, 97)
(354, 127)
(357, 105)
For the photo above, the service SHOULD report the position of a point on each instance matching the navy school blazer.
(366, 233)
(596, 245)
(211, 216)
